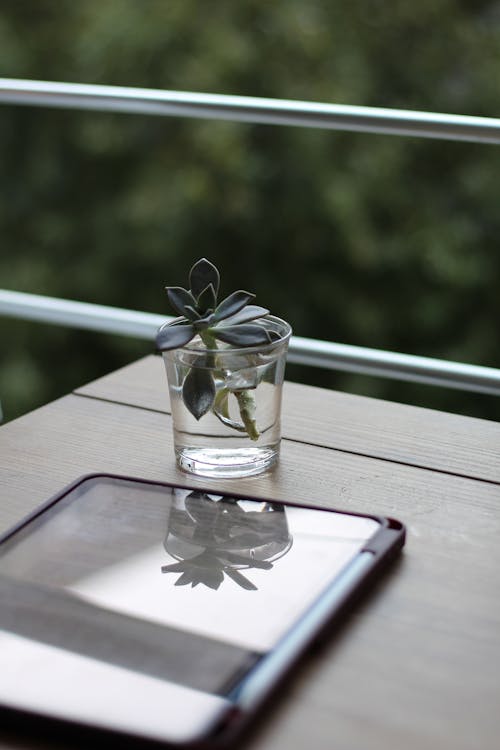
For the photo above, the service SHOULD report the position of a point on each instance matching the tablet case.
(245, 680)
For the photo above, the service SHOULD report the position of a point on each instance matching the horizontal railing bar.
(305, 351)
(250, 109)
(385, 364)
(84, 315)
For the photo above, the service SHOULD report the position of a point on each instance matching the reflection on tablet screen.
(239, 571)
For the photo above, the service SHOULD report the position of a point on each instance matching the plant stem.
(209, 340)
(246, 403)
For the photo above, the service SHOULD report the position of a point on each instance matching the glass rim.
(284, 338)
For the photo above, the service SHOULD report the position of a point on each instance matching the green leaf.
(182, 321)
(207, 299)
(193, 314)
(242, 335)
(205, 322)
(249, 312)
(198, 391)
(180, 299)
(201, 275)
(174, 336)
(233, 304)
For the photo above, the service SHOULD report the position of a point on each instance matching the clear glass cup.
(240, 434)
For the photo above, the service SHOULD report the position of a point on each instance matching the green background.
(378, 241)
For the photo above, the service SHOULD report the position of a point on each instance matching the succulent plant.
(230, 322)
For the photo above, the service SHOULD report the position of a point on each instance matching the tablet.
(167, 612)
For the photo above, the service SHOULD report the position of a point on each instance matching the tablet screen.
(184, 585)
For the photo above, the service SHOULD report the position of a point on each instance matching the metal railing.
(303, 351)
(250, 109)
(263, 111)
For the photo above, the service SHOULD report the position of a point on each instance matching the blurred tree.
(372, 240)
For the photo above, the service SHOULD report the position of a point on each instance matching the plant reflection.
(212, 538)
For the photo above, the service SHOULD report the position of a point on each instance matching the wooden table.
(419, 664)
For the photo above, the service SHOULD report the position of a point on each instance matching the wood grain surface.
(367, 426)
(418, 663)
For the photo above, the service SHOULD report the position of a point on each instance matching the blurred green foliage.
(379, 241)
